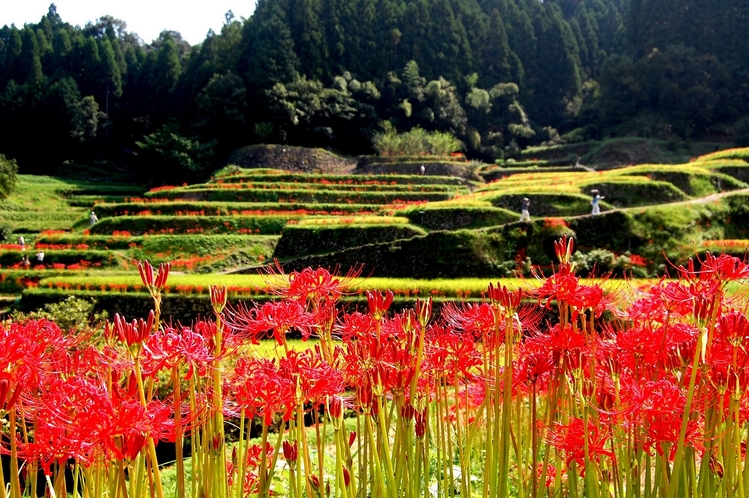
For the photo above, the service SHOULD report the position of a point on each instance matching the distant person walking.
(22, 242)
(422, 169)
(92, 218)
(525, 215)
(40, 257)
(25, 261)
(595, 202)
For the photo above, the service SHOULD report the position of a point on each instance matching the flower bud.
(218, 298)
(290, 451)
(314, 482)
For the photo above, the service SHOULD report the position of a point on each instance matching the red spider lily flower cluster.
(566, 386)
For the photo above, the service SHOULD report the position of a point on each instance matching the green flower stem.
(378, 486)
(299, 471)
(506, 426)
(76, 475)
(272, 470)
(15, 481)
(320, 446)
(736, 449)
(2, 474)
(218, 473)
(339, 457)
(673, 486)
(385, 446)
(195, 442)
(262, 473)
(180, 464)
(441, 416)
(302, 437)
(151, 446)
(465, 468)
(122, 481)
(241, 455)
(534, 444)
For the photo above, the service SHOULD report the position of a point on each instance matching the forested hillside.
(499, 74)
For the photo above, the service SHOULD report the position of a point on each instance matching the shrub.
(8, 176)
(168, 157)
(74, 313)
(416, 141)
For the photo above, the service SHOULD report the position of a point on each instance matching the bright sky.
(146, 18)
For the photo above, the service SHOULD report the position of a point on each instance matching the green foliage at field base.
(139, 225)
(439, 254)
(198, 208)
(295, 195)
(184, 309)
(303, 240)
(265, 175)
(465, 171)
(334, 186)
(738, 171)
(457, 217)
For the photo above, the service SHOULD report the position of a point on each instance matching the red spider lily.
(569, 348)
(314, 378)
(505, 298)
(666, 299)
(727, 363)
(565, 288)
(78, 418)
(535, 360)
(734, 326)
(551, 473)
(725, 267)
(423, 311)
(366, 364)
(354, 325)
(452, 355)
(570, 438)
(655, 414)
(479, 320)
(279, 317)
(640, 349)
(26, 349)
(259, 387)
(135, 332)
(563, 249)
(218, 298)
(147, 276)
(379, 304)
(170, 347)
(310, 286)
